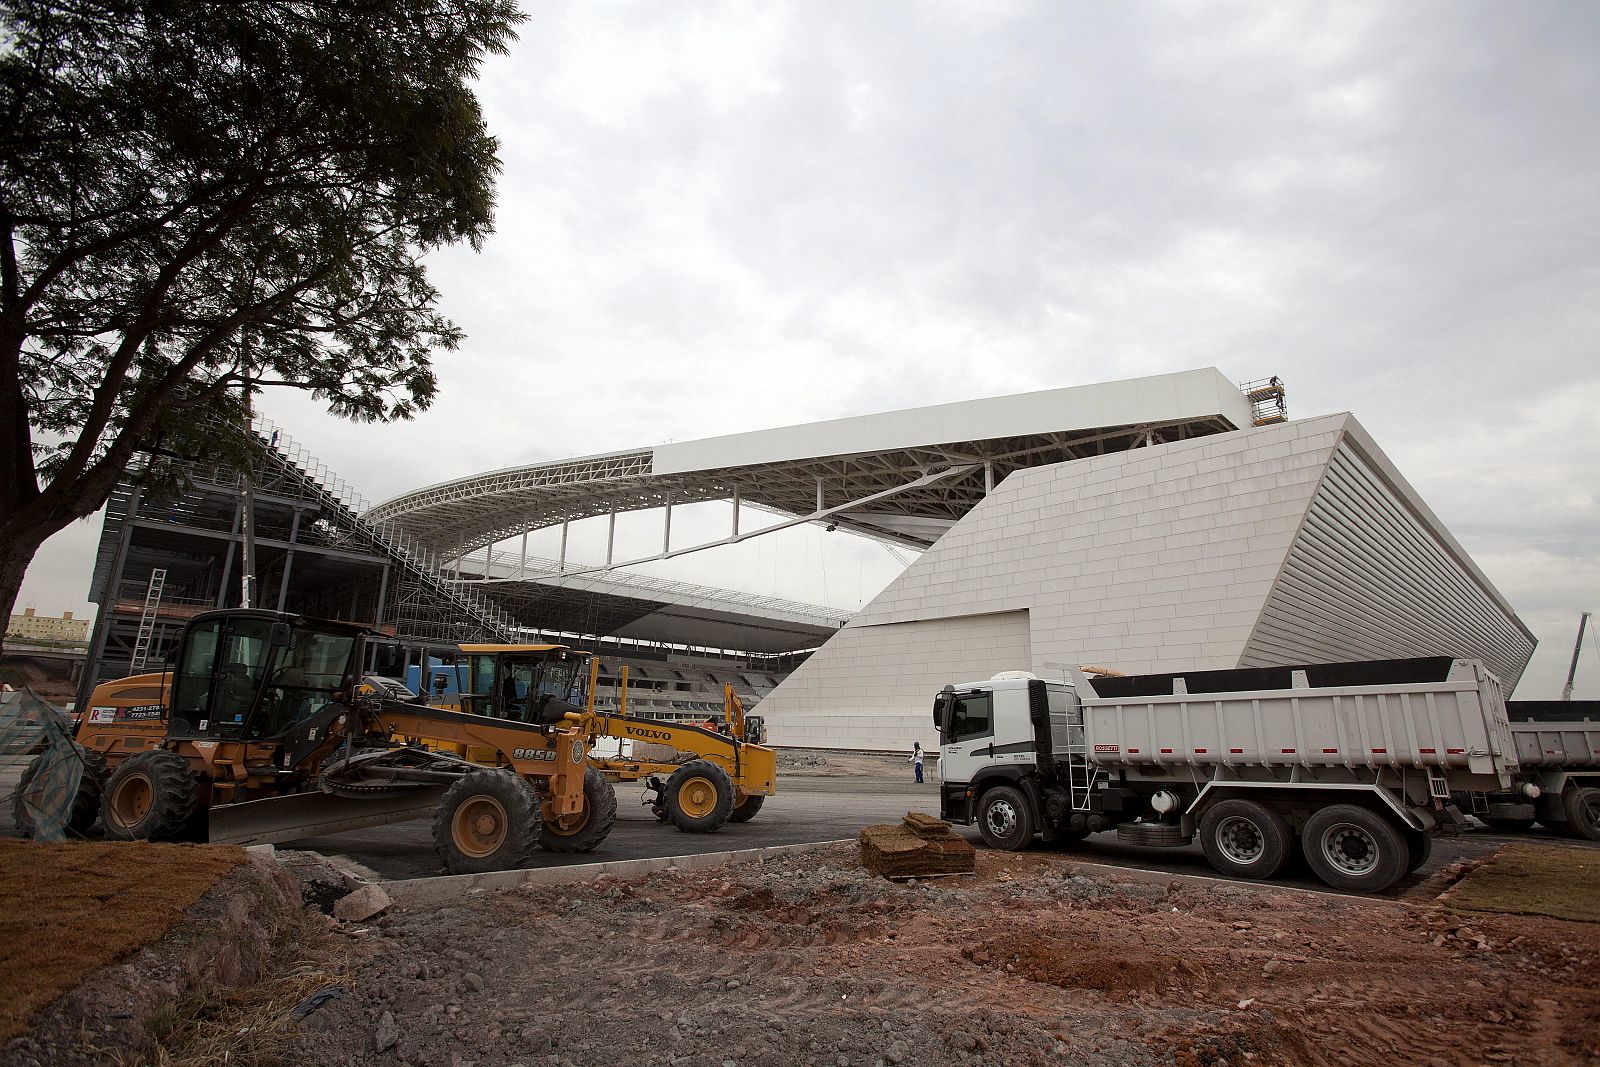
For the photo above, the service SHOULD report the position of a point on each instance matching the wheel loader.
(728, 777)
(260, 732)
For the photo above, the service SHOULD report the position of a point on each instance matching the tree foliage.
(191, 191)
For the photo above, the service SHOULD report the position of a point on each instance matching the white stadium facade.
(1148, 525)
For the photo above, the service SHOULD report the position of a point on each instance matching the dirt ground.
(1034, 960)
(68, 909)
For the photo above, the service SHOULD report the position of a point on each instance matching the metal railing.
(422, 563)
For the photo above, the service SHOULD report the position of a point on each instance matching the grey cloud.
(718, 217)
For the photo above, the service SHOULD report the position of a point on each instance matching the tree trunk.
(18, 544)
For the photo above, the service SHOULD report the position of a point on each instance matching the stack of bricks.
(920, 846)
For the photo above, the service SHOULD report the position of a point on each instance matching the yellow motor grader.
(260, 733)
(725, 778)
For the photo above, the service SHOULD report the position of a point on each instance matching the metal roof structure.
(643, 607)
(902, 477)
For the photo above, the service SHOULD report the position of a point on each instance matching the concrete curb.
(410, 892)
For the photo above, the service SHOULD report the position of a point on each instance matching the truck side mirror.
(280, 635)
(941, 707)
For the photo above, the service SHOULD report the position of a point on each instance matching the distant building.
(31, 627)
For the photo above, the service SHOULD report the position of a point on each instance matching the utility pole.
(1583, 621)
(247, 558)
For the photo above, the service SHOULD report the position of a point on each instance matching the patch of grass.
(1563, 883)
(69, 909)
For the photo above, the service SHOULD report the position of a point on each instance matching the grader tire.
(487, 821)
(599, 816)
(85, 805)
(746, 809)
(149, 797)
(699, 797)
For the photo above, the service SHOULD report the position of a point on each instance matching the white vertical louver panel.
(1365, 579)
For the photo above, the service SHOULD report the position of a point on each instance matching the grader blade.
(278, 819)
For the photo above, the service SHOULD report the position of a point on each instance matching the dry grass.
(253, 1025)
(1563, 883)
(69, 909)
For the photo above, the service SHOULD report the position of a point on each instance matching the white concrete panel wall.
(1156, 559)
(1151, 559)
(868, 696)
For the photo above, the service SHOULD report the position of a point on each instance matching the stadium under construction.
(1174, 522)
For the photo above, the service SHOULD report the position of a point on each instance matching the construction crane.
(1572, 671)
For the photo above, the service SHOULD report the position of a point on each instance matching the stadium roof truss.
(901, 477)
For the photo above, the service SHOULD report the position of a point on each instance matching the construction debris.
(920, 846)
(362, 904)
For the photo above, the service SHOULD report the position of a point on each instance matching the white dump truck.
(1354, 761)
(1558, 748)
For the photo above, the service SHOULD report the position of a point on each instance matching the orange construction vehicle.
(261, 732)
(701, 775)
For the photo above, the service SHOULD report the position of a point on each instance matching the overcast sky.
(717, 217)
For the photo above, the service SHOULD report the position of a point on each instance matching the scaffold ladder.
(147, 621)
(1268, 401)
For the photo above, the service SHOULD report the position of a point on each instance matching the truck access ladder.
(147, 621)
(1082, 773)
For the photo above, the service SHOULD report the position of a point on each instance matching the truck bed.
(1455, 724)
(1557, 744)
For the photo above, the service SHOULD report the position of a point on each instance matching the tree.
(197, 193)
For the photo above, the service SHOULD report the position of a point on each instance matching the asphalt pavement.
(807, 809)
(803, 810)
(815, 808)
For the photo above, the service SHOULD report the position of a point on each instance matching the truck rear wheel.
(1245, 839)
(487, 821)
(1005, 818)
(1582, 805)
(1419, 846)
(1354, 849)
(149, 797)
(699, 797)
(85, 803)
(746, 809)
(593, 826)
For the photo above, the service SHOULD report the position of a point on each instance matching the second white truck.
(1353, 763)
